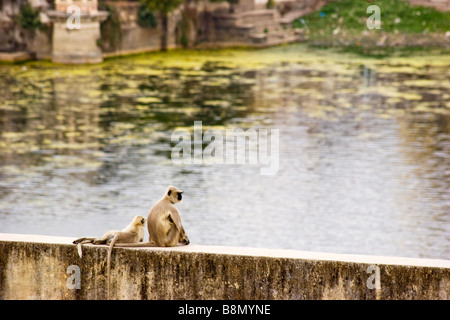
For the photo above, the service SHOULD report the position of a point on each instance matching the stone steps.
(261, 26)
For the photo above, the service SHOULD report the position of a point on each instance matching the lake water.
(364, 148)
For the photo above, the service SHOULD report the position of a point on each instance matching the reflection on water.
(364, 148)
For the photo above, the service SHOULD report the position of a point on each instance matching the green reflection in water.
(81, 123)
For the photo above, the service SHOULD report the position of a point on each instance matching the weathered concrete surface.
(36, 267)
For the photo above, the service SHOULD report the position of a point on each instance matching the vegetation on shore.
(343, 23)
(29, 17)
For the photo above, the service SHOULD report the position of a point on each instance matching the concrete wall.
(76, 46)
(135, 38)
(43, 267)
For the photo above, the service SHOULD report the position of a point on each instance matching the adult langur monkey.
(132, 233)
(164, 223)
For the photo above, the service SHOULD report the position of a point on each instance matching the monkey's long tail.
(108, 264)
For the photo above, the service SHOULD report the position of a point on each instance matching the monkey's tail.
(108, 264)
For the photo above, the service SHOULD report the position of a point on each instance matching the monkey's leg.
(149, 244)
(84, 240)
(101, 240)
(104, 239)
(81, 241)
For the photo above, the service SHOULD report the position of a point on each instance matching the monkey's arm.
(179, 228)
(171, 220)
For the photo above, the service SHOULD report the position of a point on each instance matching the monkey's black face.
(183, 239)
(174, 195)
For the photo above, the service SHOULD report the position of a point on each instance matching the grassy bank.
(343, 23)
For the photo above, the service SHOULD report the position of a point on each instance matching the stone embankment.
(44, 267)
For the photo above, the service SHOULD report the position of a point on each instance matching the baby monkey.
(132, 233)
